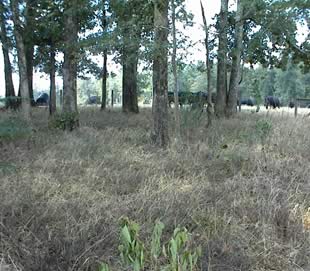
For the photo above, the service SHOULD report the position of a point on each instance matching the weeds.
(175, 256)
(63, 194)
(14, 128)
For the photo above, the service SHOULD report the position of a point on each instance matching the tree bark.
(175, 75)
(130, 67)
(28, 38)
(221, 96)
(22, 63)
(29, 60)
(10, 101)
(104, 81)
(70, 65)
(52, 101)
(208, 64)
(105, 61)
(160, 74)
(236, 63)
(112, 98)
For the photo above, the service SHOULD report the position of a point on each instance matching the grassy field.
(241, 187)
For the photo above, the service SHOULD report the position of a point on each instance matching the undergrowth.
(240, 187)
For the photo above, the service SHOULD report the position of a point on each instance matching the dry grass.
(243, 194)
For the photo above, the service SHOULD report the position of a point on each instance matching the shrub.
(14, 128)
(263, 129)
(64, 121)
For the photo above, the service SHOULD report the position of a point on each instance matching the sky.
(41, 81)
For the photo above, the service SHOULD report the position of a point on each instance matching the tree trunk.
(10, 101)
(208, 64)
(112, 98)
(105, 60)
(130, 66)
(160, 74)
(52, 101)
(22, 64)
(29, 60)
(70, 65)
(221, 96)
(175, 76)
(236, 63)
(104, 81)
(28, 39)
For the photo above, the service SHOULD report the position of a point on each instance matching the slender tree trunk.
(160, 74)
(175, 75)
(52, 101)
(104, 81)
(112, 98)
(105, 61)
(208, 64)
(70, 65)
(28, 39)
(29, 60)
(236, 63)
(9, 87)
(22, 64)
(221, 96)
(130, 84)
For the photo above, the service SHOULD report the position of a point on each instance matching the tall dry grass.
(241, 190)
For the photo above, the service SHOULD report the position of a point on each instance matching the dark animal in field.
(184, 98)
(42, 100)
(191, 98)
(291, 105)
(246, 101)
(93, 100)
(272, 102)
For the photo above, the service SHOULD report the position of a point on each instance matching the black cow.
(184, 97)
(93, 100)
(191, 98)
(42, 100)
(246, 101)
(181, 95)
(272, 101)
(213, 96)
(291, 104)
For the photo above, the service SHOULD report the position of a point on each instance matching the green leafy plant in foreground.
(180, 256)
(104, 267)
(175, 255)
(131, 248)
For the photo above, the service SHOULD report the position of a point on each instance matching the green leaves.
(181, 257)
(104, 267)
(175, 255)
(156, 237)
(131, 248)
(14, 128)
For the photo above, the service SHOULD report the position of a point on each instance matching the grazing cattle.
(246, 101)
(171, 98)
(42, 100)
(93, 100)
(271, 101)
(191, 98)
(291, 104)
